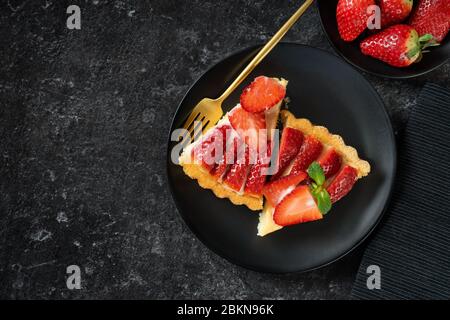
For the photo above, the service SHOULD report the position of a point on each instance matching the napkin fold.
(412, 247)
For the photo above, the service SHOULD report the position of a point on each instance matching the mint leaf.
(321, 195)
(323, 201)
(316, 173)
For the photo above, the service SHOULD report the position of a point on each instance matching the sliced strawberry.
(274, 191)
(330, 162)
(343, 183)
(247, 125)
(234, 145)
(220, 169)
(237, 174)
(309, 151)
(262, 94)
(291, 142)
(256, 177)
(297, 207)
(229, 148)
(206, 152)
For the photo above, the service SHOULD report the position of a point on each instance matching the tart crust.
(348, 153)
(206, 181)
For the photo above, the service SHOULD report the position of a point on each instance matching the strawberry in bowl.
(398, 46)
(432, 17)
(352, 18)
(394, 11)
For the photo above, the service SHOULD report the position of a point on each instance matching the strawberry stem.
(427, 40)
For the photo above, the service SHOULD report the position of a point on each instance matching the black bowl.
(329, 92)
(351, 53)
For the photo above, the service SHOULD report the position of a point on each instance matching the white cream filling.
(266, 224)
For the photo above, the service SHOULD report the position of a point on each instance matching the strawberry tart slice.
(316, 169)
(313, 168)
(232, 158)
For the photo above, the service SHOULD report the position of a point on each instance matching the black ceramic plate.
(329, 92)
(350, 50)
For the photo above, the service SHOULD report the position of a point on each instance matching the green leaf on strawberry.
(318, 191)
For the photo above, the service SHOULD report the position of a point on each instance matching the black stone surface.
(84, 116)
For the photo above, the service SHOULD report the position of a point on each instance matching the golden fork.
(209, 111)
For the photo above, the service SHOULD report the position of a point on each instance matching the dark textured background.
(84, 116)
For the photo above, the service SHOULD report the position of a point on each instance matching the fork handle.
(266, 49)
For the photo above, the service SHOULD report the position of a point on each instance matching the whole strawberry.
(394, 11)
(352, 17)
(433, 17)
(399, 45)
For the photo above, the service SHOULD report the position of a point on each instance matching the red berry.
(352, 17)
(309, 151)
(206, 151)
(237, 174)
(330, 162)
(247, 125)
(399, 45)
(229, 153)
(291, 141)
(262, 94)
(297, 207)
(432, 17)
(394, 11)
(256, 177)
(275, 191)
(342, 183)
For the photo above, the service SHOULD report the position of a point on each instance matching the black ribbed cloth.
(412, 247)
